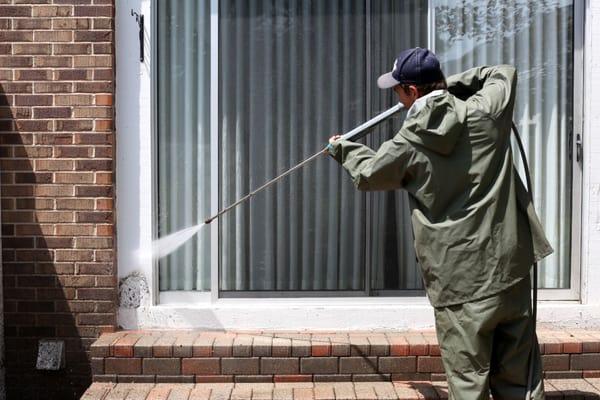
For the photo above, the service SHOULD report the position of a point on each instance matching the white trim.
(325, 314)
(134, 216)
(214, 146)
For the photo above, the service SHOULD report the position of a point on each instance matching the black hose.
(535, 276)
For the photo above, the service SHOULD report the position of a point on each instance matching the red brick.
(125, 366)
(104, 100)
(17, 87)
(94, 87)
(94, 191)
(104, 74)
(76, 281)
(16, 36)
(33, 152)
(74, 125)
(74, 255)
(39, 125)
(15, 61)
(572, 347)
(17, 190)
(53, 36)
(94, 243)
(35, 306)
(103, 125)
(35, 229)
(74, 306)
(75, 230)
(54, 190)
(54, 216)
(91, 36)
(32, 23)
(92, 112)
(31, 48)
(99, 216)
(72, 48)
(52, 61)
(56, 294)
(93, 11)
(161, 366)
(103, 48)
(54, 242)
(53, 267)
(105, 230)
(73, 151)
(71, 23)
(95, 268)
(54, 165)
(52, 112)
(33, 100)
(15, 11)
(74, 177)
(51, 11)
(34, 75)
(93, 138)
(96, 319)
(35, 204)
(75, 204)
(54, 138)
(103, 23)
(96, 294)
(20, 139)
(92, 61)
(74, 74)
(123, 347)
(104, 204)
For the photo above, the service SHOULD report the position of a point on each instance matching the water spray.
(170, 243)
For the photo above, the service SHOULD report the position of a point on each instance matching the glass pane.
(292, 73)
(183, 139)
(396, 25)
(537, 38)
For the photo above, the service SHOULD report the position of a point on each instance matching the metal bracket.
(578, 147)
(139, 18)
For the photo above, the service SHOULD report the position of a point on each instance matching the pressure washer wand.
(353, 135)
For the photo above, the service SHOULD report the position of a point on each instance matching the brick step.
(227, 357)
(555, 389)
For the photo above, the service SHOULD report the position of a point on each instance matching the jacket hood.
(437, 125)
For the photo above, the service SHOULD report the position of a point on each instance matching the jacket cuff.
(334, 150)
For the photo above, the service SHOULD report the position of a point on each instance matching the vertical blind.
(182, 101)
(294, 72)
(537, 38)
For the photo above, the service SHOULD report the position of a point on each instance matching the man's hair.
(427, 88)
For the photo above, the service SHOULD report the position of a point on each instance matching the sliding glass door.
(291, 74)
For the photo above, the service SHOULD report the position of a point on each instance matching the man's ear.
(415, 91)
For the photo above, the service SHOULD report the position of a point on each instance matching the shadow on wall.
(37, 303)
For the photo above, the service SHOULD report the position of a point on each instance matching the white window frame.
(135, 116)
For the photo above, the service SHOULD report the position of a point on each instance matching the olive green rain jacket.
(475, 230)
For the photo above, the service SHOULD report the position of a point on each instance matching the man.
(475, 231)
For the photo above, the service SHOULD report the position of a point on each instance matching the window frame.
(405, 296)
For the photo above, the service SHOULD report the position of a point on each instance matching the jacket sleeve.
(370, 170)
(492, 89)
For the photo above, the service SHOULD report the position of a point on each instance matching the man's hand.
(331, 141)
(334, 138)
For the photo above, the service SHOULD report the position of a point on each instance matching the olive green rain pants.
(485, 346)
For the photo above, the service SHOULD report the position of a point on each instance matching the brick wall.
(56, 166)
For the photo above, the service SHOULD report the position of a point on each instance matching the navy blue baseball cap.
(415, 66)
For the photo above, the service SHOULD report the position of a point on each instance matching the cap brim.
(386, 81)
